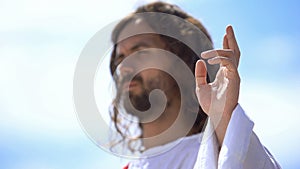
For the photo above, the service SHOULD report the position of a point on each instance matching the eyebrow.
(135, 47)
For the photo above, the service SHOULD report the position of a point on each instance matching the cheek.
(156, 79)
(151, 79)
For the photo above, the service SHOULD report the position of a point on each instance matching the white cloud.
(274, 108)
(38, 53)
(271, 104)
(59, 15)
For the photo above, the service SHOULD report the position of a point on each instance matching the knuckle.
(230, 52)
(238, 78)
(238, 52)
(218, 52)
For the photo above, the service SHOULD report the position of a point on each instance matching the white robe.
(241, 149)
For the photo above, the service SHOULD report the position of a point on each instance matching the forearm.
(220, 125)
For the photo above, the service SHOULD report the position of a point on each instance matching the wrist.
(221, 123)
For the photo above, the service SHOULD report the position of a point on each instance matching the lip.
(128, 85)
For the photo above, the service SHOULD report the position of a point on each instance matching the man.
(165, 93)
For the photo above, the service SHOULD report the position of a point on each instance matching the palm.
(212, 96)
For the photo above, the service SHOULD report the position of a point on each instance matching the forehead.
(138, 33)
(134, 27)
(137, 41)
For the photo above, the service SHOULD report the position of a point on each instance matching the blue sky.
(42, 40)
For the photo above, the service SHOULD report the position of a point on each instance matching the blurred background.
(40, 42)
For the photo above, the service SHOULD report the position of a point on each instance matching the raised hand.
(219, 98)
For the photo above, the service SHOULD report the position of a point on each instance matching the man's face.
(140, 49)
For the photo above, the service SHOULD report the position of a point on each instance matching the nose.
(124, 70)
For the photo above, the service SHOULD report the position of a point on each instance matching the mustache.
(127, 78)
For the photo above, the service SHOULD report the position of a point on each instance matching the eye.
(119, 59)
(138, 55)
(142, 52)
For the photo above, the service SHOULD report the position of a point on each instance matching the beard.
(141, 102)
(135, 103)
(139, 105)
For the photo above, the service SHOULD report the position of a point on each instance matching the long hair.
(175, 46)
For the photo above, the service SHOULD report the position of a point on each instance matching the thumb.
(200, 73)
